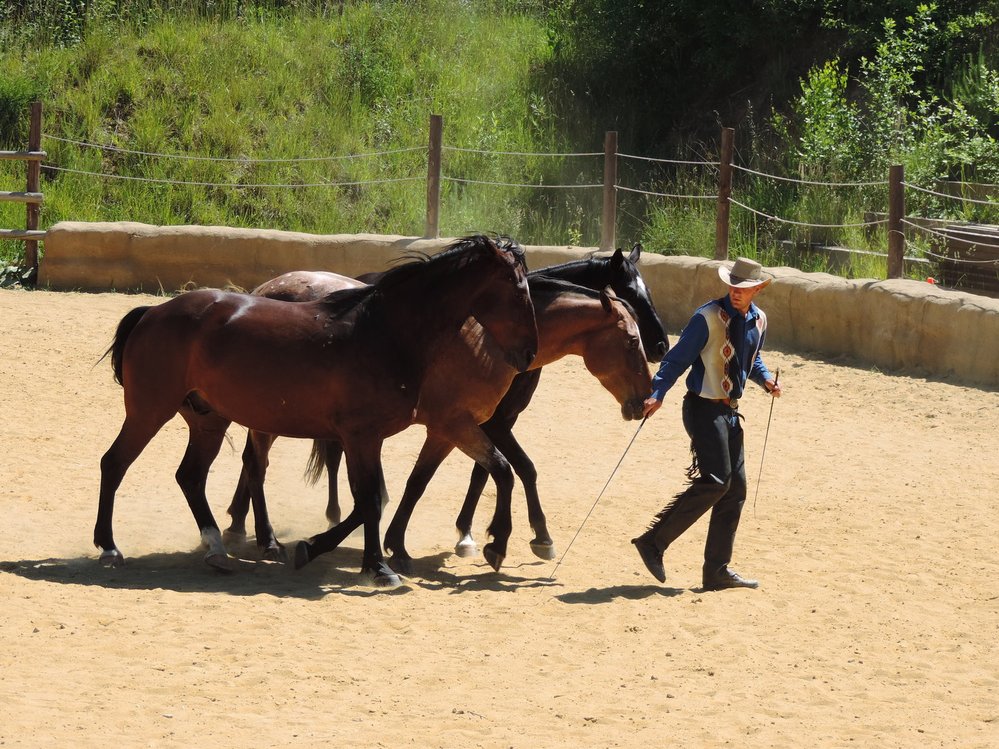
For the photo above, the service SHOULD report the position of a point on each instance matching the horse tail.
(316, 466)
(117, 347)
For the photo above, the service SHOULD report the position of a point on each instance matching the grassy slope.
(287, 88)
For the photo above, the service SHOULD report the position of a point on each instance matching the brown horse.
(352, 367)
(571, 320)
(617, 271)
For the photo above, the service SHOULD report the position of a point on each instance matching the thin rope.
(238, 160)
(593, 507)
(665, 194)
(808, 182)
(951, 197)
(238, 186)
(802, 223)
(667, 161)
(517, 153)
(510, 184)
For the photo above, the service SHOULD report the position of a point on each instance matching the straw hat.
(744, 274)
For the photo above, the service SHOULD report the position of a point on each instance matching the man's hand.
(650, 406)
(773, 388)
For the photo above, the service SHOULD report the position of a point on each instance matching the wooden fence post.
(608, 229)
(724, 193)
(33, 186)
(432, 230)
(896, 212)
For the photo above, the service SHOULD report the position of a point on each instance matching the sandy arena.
(873, 536)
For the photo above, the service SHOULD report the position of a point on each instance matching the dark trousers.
(716, 438)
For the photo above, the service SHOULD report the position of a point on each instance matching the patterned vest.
(721, 366)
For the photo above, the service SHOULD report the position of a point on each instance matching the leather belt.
(730, 402)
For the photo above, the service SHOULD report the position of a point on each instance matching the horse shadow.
(186, 572)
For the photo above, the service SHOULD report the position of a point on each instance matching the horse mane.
(540, 282)
(583, 263)
(453, 257)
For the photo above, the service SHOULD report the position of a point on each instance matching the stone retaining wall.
(896, 325)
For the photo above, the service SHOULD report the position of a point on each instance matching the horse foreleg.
(332, 453)
(131, 441)
(431, 456)
(542, 544)
(466, 546)
(472, 441)
(363, 469)
(255, 462)
(206, 434)
(240, 505)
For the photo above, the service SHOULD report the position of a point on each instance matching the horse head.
(504, 308)
(628, 284)
(617, 358)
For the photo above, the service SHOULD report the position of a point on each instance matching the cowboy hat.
(744, 274)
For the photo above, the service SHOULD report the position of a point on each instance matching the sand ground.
(873, 535)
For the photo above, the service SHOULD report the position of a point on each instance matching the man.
(721, 346)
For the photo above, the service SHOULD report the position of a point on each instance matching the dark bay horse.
(622, 276)
(352, 368)
(571, 320)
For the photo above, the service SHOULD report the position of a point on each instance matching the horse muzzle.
(633, 409)
(658, 352)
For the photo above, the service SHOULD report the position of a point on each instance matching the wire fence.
(909, 238)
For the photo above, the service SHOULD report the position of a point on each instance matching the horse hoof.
(402, 564)
(231, 536)
(466, 547)
(543, 549)
(301, 555)
(275, 553)
(492, 556)
(221, 562)
(112, 558)
(382, 576)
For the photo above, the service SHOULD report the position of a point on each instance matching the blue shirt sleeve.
(684, 353)
(759, 372)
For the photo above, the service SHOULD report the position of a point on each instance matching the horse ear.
(636, 252)
(605, 297)
(617, 259)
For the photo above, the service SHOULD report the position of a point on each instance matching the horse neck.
(421, 311)
(568, 322)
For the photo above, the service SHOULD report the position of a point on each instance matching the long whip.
(552, 576)
(765, 438)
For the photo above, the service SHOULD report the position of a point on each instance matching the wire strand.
(808, 182)
(236, 185)
(802, 223)
(239, 159)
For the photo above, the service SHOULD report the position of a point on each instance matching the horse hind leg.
(207, 431)
(432, 454)
(132, 439)
(251, 488)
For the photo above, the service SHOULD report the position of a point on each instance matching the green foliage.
(823, 90)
